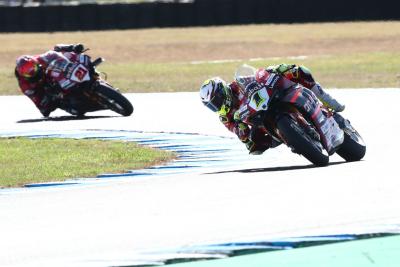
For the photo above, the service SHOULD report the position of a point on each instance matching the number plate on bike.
(259, 99)
(80, 74)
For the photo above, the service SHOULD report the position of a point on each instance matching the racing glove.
(260, 141)
(77, 48)
(242, 131)
(255, 149)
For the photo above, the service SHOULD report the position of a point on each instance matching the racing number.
(258, 100)
(80, 73)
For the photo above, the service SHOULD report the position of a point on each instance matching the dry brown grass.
(211, 43)
(146, 48)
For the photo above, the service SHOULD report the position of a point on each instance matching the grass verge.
(363, 70)
(341, 55)
(25, 160)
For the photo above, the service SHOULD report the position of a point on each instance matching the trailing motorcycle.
(90, 91)
(291, 114)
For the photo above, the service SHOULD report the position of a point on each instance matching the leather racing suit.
(256, 139)
(54, 63)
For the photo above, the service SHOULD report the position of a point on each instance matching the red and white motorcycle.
(293, 115)
(90, 91)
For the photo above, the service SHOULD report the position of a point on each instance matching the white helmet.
(216, 95)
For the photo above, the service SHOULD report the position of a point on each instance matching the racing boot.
(327, 99)
(260, 141)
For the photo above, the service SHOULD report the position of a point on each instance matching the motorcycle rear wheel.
(299, 140)
(114, 100)
(353, 147)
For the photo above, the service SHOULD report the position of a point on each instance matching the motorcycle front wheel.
(299, 140)
(114, 100)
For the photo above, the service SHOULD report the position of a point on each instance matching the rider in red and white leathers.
(225, 99)
(39, 75)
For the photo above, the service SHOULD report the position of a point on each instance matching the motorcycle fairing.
(80, 74)
(259, 99)
(307, 103)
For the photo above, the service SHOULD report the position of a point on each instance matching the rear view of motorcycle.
(353, 147)
(291, 114)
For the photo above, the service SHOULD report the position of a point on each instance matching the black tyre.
(353, 147)
(300, 141)
(114, 100)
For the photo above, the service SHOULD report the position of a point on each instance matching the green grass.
(361, 70)
(377, 70)
(25, 160)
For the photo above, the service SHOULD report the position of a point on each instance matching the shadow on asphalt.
(277, 169)
(65, 118)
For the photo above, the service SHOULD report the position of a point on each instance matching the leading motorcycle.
(292, 114)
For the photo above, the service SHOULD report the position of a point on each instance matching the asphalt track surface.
(275, 195)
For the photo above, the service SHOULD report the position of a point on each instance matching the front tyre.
(114, 100)
(301, 142)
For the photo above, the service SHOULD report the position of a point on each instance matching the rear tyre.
(353, 147)
(114, 100)
(300, 141)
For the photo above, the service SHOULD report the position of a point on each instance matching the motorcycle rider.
(225, 99)
(40, 76)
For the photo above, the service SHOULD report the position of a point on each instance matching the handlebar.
(98, 61)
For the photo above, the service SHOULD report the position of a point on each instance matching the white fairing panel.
(80, 74)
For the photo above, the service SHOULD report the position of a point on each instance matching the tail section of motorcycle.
(311, 130)
(353, 147)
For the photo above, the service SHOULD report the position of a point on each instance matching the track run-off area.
(214, 193)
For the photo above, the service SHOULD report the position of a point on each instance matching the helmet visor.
(221, 102)
(29, 70)
(216, 102)
(37, 76)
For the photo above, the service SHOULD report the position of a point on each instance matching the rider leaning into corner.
(40, 75)
(225, 99)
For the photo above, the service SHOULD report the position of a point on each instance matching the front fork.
(307, 103)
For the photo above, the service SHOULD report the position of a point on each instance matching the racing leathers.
(256, 139)
(302, 75)
(55, 64)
